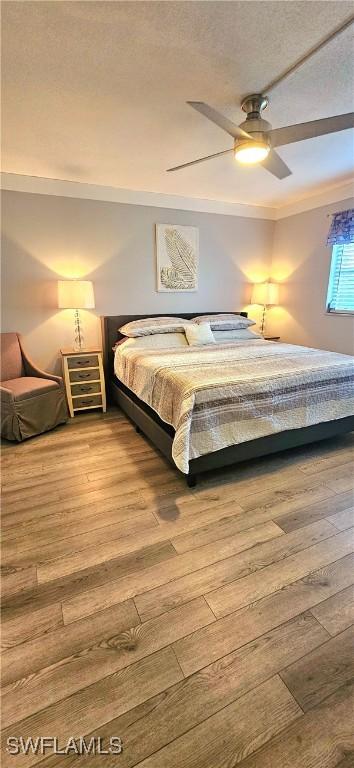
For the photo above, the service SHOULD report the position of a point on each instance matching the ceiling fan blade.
(276, 165)
(219, 119)
(293, 133)
(200, 160)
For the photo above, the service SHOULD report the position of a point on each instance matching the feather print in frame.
(177, 257)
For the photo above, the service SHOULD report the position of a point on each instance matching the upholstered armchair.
(32, 401)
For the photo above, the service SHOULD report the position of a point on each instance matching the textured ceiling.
(95, 92)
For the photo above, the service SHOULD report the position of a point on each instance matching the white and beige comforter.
(224, 394)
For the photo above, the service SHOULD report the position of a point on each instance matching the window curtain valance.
(342, 228)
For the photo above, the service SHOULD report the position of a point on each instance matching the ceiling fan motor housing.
(254, 124)
(258, 129)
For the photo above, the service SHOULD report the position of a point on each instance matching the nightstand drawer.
(90, 375)
(85, 389)
(91, 401)
(83, 361)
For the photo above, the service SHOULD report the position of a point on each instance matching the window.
(340, 296)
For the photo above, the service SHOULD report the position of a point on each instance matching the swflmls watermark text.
(42, 745)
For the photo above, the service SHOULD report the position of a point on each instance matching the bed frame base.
(161, 435)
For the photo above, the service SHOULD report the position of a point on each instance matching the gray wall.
(46, 238)
(301, 262)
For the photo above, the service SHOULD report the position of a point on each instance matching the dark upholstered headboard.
(110, 333)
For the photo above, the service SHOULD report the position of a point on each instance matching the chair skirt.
(21, 419)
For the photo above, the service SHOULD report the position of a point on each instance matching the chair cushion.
(29, 386)
(11, 357)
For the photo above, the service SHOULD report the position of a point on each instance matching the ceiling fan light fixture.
(251, 152)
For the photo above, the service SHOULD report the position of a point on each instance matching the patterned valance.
(342, 228)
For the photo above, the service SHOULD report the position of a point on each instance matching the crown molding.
(61, 188)
(334, 194)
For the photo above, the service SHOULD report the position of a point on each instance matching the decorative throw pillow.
(149, 325)
(198, 335)
(225, 322)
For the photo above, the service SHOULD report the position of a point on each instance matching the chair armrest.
(6, 394)
(31, 369)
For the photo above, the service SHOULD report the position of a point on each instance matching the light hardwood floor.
(207, 628)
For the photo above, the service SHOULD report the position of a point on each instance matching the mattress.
(229, 393)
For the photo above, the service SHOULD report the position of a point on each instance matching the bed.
(266, 397)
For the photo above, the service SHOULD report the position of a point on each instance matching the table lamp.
(267, 295)
(76, 294)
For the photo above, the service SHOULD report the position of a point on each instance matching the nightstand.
(271, 338)
(84, 379)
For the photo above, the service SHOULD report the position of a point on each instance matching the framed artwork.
(177, 250)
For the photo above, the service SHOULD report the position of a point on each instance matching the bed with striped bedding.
(226, 394)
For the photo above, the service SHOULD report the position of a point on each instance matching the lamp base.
(79, 336)
(262, 329)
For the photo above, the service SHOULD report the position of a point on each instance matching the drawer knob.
(84, 375)
(83, 362)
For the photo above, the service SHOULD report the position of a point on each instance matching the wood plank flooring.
(207, 628)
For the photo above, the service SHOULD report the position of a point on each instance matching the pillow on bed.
(155, 341)
(198, 335)
(150, 325)
(225, 322)
(243, 334)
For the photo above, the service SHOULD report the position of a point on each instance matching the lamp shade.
(75, 294)
(265, 293)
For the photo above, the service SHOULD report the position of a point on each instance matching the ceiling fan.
(254, 139)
